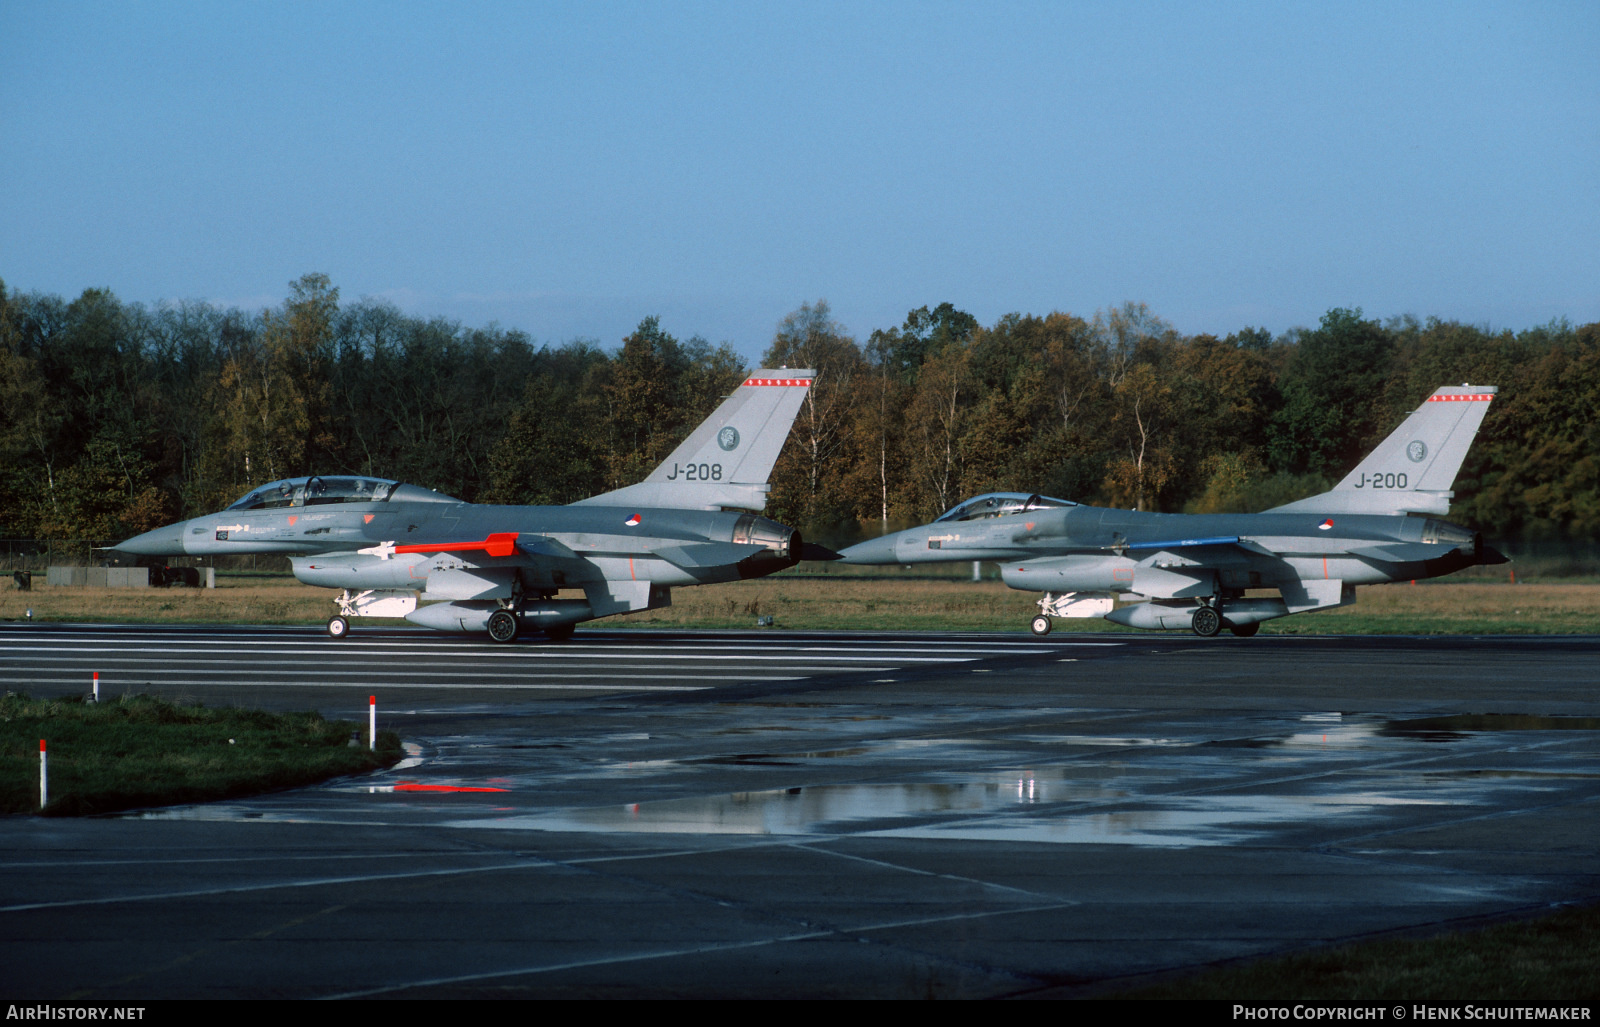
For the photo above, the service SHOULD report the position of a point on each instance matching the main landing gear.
(503, 626)
(1207, 622)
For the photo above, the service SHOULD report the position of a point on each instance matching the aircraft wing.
(1213, 551)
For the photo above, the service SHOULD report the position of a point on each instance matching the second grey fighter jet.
(388, 545)
(1195, 570)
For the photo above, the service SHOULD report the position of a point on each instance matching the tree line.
(116, 418)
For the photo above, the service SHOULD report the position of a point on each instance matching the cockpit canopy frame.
(1000, 504)
(317, 489)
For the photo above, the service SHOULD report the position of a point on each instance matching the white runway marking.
(599, 665)
(691, 950)
(324, 654)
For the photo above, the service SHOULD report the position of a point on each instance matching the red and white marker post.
(44, 778)
(372, 722)
(97, 686)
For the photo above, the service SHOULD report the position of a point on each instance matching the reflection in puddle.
(1193, 822)
(414, 757)
(1430, 727)
(1008, 807)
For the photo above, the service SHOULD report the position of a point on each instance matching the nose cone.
(874, 551)
(166, 541)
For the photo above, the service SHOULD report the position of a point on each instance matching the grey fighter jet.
(386, 545)
(1376, 525)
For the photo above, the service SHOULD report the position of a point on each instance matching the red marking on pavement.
(412, 786)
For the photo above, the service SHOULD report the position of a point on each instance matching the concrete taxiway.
(789, 814)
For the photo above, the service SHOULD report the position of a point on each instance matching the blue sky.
(569, 169)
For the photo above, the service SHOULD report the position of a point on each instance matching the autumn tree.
(1333, 396)
(809, 481)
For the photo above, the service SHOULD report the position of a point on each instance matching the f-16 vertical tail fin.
(1412, 470)
(725, 463)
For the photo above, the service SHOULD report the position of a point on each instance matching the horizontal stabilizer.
(1402, 552)
(708, 554)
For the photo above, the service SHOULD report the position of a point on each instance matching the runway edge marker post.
(372, 722)
(44, 778)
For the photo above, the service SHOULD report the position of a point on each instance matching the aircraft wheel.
(559, 633)
(1246, 630)
(1041, 625)
(503, 626)
(338, 627)
(1207, 621)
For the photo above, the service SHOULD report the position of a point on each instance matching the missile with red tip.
(500, 543)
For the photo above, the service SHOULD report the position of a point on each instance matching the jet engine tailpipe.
(783, 545)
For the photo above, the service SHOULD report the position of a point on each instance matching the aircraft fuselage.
(1093, 549)
(557, 547)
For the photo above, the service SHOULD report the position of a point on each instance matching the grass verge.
(887, 600)
(141, 751)
(1545, 959)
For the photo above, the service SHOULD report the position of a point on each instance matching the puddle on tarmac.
(1007, 807)
(1434, 729)
(1331, 730)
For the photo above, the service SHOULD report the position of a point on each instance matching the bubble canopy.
(1000, 504)
(317, 489)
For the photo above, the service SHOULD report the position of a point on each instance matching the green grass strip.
(142, 751)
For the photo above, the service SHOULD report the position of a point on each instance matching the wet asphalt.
(775, 814)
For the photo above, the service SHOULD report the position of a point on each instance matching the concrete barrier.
(98, 577)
